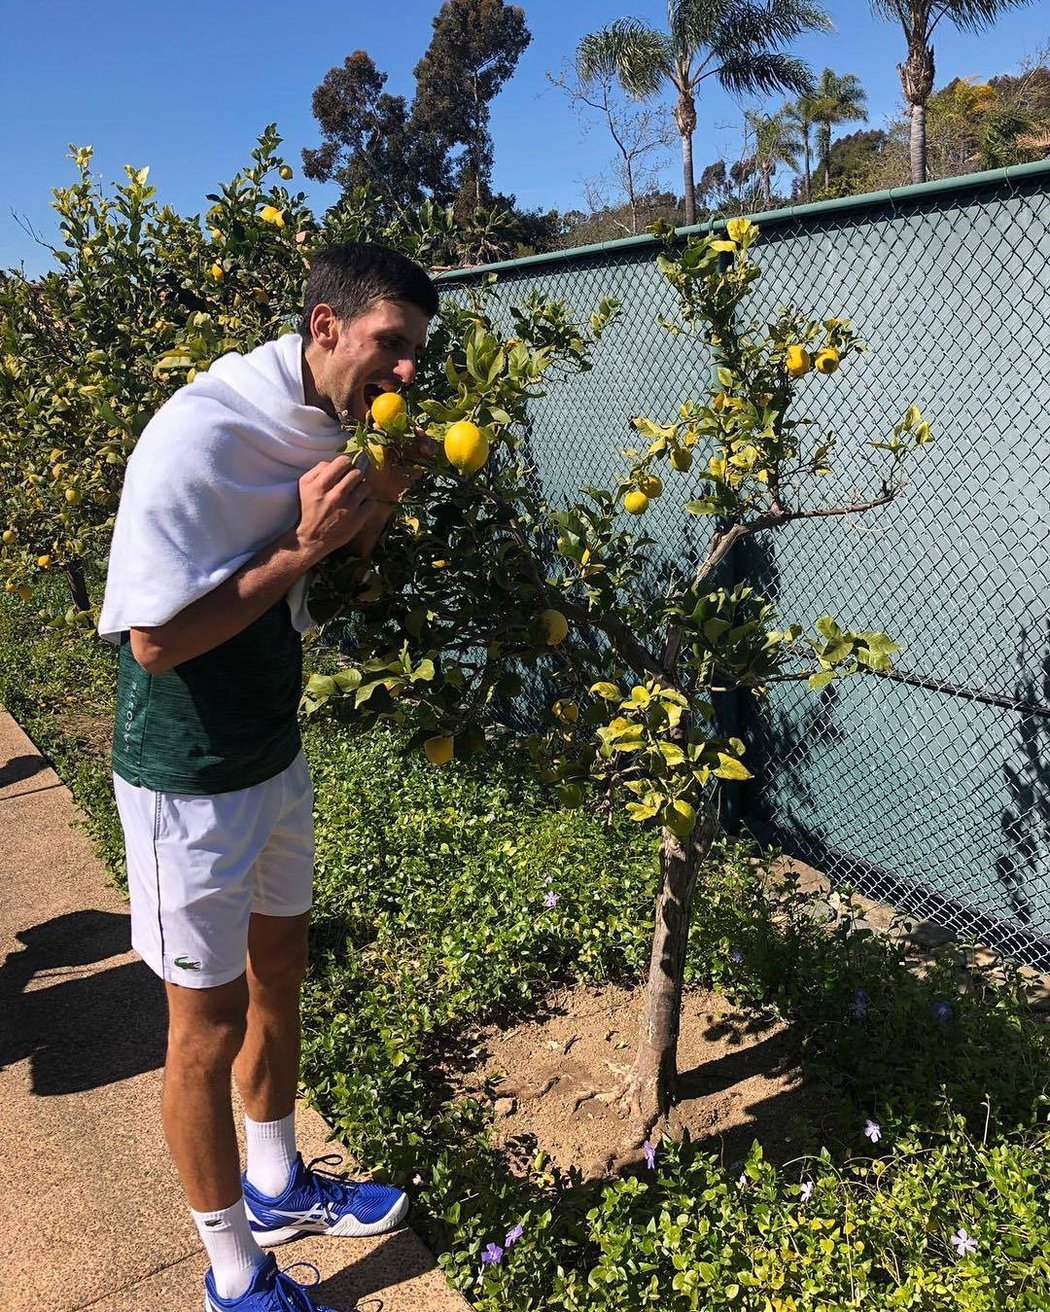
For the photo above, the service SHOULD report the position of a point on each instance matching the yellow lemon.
(827, 361)
(387, 407)
(466, 447)
(9, 536)
(554, 626)
(797, 361)
(567, 711)
(636, 502)
(439, 750)
(286, 172)
(651, 485)
(271, 214)
(73, 496)
(216, 272)
(43, 561)
(682, 460)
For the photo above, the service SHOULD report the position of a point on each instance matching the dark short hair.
(354, 275)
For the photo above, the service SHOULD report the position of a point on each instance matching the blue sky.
(186, 88)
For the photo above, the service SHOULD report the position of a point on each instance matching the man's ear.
(324, 326)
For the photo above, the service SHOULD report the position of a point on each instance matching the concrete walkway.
(91, 1214)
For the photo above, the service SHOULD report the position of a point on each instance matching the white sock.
(229, 1242)
(271, 1153)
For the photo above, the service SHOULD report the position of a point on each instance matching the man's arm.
(337, 508)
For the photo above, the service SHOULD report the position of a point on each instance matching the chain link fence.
(928, 788)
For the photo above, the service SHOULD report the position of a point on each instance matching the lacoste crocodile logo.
(184, 963)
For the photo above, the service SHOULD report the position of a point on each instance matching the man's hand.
(334, 509)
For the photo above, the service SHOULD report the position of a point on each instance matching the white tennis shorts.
(198, 867)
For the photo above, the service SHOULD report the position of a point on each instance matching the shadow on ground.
(79, 1029)
(360, 1284)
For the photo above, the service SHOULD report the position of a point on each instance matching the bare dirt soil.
(554, 1079)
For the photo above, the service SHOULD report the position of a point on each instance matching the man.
(235, 490)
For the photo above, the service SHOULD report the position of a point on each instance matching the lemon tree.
(484, 587)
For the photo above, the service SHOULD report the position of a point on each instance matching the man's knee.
(206, 1027)
(277, 955)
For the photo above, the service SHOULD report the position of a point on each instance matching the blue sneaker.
(270, 1291)
(319, 1203)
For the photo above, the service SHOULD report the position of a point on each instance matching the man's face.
(376, 352)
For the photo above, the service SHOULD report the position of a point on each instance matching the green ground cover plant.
(450, 899)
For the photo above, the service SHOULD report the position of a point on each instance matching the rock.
(505, 1106)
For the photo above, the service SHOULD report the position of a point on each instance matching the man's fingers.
(328, 473)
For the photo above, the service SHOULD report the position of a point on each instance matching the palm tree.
(802, 116)
(776, 142)
(837, 98)
(919, 19)
(738, 41)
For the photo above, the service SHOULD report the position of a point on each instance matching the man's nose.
(406, 371)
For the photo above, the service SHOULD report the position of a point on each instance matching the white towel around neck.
(213, 479)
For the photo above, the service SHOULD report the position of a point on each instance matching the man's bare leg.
(206, 1029)
(267, 1066)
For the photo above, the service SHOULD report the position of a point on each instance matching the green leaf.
(821, 680)
(730, 768)
(608, 691)
(701, 508)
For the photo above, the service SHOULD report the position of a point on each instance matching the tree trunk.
(917, 76)
(685, 118)
(77, 586)
(651, 1084)
(917, 145)
(808, 183)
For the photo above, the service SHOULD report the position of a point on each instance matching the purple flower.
(492, 1256)
(550, 901)
(859, 1005)
(873, 1131)
(806, 1191)
(650, 1155)
(964, 1245)
(513, 1235)
(942, 1011)
(736, 955)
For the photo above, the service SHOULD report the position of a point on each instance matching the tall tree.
(474, 49)
(918, 20)
(776, 142)
(638, 135)
(738, 41)
(837, 98)
(364, 137)
(802, 115)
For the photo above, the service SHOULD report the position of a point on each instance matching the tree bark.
(917, 144)
(77, 586)
(809, 166)
(917, 77)
(651, 1084)
(685, 118)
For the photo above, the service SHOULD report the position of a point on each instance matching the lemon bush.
(484, 585)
